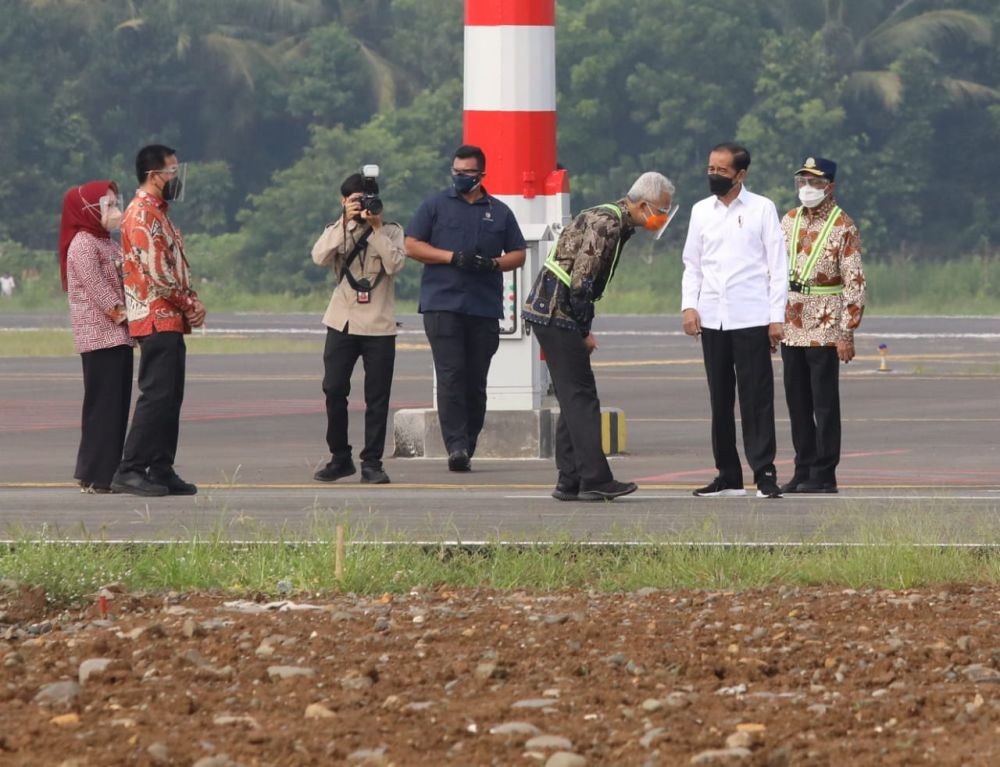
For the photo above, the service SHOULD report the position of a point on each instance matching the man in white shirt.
(734, 291)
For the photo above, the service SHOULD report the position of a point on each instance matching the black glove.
(473, 262)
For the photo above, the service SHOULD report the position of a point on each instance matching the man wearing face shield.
(365, 255)
(90, 266)
(826, 299)
(465, 238)
(162, 307)
(560, 310)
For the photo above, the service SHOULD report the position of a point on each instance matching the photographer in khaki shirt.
(365, 255)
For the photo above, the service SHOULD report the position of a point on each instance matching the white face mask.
(111, 219)
(810, 196)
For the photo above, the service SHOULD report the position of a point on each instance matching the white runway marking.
(797, 496)
(321, 331)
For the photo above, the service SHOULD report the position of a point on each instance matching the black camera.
(370, 201)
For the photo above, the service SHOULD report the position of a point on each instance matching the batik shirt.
(818, 320)
(157, 281)
(587, 251)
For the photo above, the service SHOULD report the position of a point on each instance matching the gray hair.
(650, 186)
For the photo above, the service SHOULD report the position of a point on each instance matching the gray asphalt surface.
(920, 445)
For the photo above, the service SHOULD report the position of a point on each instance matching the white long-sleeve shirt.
(735, 270)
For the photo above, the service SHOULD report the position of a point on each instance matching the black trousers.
(462, 346)
(378, 355)
(152, 440)
(579, 456)
(812, 391)
(741, 359)
(107, 395)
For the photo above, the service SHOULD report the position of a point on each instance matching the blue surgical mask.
(465, 184)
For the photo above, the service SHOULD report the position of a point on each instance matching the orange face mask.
(659, 221)
(655, 222)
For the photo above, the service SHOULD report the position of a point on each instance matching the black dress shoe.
(606, 491)
(174, 484)
(792, 486)
(335, 470)
(136, 483)
(815, 486)
(374, 474)
(458, 460)
(566, 492)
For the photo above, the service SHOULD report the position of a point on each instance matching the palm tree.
(864, 38)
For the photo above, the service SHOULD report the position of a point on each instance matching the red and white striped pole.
(510, 112)
(510, 104)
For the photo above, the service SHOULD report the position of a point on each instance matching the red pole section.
(510, 94)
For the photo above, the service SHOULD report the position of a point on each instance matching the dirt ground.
(789, 676)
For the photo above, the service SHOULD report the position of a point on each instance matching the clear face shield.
(176, 181)
(107, 210)
(670, 217)
(112, 206)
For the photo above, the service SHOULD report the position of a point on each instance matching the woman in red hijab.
(90, 264)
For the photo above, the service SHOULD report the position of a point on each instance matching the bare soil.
(789, 676)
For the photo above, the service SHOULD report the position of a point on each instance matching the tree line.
(273, 102)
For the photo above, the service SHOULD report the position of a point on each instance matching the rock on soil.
(782, 676)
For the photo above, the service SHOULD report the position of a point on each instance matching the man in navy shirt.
(465, 238)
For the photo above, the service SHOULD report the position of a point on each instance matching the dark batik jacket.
(579, 268)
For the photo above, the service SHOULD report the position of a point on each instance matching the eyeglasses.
(816, 182)
(171, 171)
(470, 173)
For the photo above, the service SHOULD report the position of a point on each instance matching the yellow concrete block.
(613, 432)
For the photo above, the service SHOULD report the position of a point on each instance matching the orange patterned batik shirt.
(155, 272)
(823, 320)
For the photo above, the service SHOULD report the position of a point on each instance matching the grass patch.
(647, 282)
(59, 343)
(884, 558)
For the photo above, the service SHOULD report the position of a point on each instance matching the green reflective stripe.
(814, 255)
(553, 266)
(564, 277)
(822, 290)
(618, 247)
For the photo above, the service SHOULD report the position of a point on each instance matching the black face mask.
(719, 185)
(172, 189)
(465, 184)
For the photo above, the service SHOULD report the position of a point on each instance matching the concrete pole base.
(506, 434)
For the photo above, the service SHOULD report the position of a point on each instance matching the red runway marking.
(36, 415)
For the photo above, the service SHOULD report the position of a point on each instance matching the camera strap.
(345, 272)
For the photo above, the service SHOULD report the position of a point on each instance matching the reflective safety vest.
(564, 277)
(798, 281)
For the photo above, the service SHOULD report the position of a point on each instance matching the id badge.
(363, 297)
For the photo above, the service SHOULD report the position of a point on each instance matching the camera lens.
(373, 205)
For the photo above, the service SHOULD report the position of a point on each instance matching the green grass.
(883, 556)
(969, 285)
(59, 343)
(643, 284)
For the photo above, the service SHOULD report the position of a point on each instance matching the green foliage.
(410, 145)
(273, 102)
(330, 81)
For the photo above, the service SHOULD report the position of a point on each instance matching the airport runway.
(920, 443)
